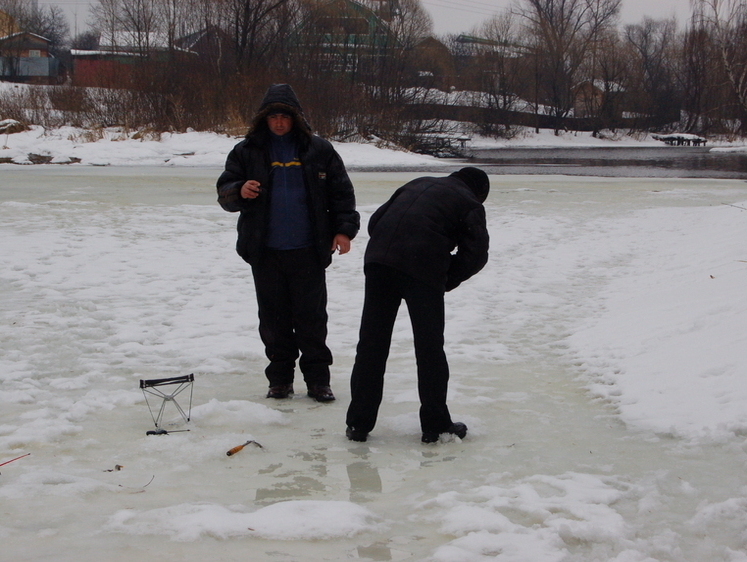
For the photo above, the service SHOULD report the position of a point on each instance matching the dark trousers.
(292, 300)
(385, 290)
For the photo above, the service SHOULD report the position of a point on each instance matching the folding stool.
(154, 388)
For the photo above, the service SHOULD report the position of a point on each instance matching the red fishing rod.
(15, 459)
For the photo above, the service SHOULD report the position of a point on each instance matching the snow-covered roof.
(20, 33)
(99, 52)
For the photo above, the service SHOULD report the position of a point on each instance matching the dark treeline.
(368, 68)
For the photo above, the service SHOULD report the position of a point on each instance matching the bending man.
(409, 257)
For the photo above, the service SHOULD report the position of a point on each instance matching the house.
(347, 35)
(433, 64)
(213, 46)
(596, 98)
(103, 68)
(116, 62)
(24, 57)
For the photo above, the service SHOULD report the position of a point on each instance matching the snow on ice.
(598, 360)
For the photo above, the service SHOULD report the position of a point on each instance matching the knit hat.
(476, 180)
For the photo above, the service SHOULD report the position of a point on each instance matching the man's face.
(280, 123)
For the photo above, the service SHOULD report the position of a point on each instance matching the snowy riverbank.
(112, 147)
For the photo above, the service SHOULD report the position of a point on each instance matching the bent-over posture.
(410, 257)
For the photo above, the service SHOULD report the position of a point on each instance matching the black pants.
(385, 290)
(292, 300)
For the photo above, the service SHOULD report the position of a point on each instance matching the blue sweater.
(289, 222)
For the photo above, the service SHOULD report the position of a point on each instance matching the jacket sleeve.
(230, 181)
(341, 198)
(472, 249)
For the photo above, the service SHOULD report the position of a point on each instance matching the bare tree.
(87, 41)
(563, 32)
(141, 24)
(408, 23)
(653, 50)
(728, 20)
(135, 24)
(612, 77)
(175, 19)
(407, 20)
(500, 60)
(48, 21)
(698, 76)
(105, 20)
(258, 28)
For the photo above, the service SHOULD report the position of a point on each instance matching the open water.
(657, 162)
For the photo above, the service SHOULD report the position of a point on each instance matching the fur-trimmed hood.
(280, 98)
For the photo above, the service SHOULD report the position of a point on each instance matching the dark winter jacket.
(422, 223)
(330, 194)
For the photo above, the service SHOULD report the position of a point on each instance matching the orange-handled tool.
(239, 447)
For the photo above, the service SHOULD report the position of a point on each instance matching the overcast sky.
(449, 16)
(457, 16)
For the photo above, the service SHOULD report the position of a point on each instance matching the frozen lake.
(112, 275)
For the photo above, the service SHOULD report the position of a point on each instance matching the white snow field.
(599, 360)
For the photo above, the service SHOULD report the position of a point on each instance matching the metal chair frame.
(152, 387)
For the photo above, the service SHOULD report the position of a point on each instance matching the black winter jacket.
(330, 192)
(422, 223)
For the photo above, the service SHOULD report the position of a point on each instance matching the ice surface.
(598, 360)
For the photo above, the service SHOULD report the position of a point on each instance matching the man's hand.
(250, 189)
(341, 244)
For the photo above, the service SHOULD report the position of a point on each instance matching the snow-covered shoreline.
(113, 147)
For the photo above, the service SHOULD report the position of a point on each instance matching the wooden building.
(24, 57)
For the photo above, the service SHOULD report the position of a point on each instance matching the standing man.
(297, 207)
(409, 256)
